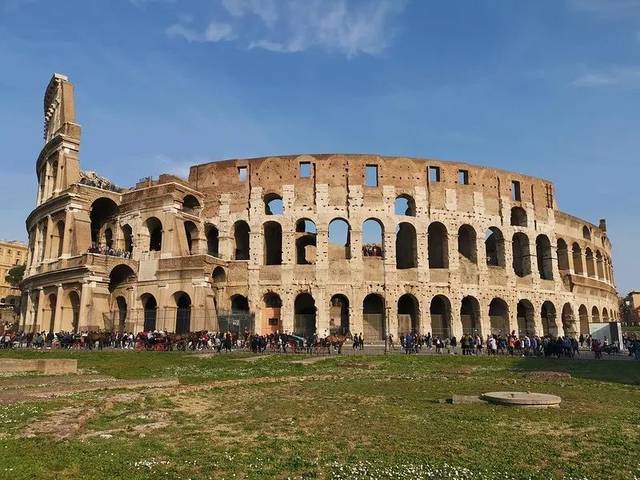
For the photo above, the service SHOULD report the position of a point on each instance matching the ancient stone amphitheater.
(304, 243)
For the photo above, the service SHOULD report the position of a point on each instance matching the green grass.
(349, 417)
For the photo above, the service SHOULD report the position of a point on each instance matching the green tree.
(15, 275)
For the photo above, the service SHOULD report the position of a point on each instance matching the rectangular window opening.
(371, 176)
(515, 191)
(434, 174)
(463, 177)
(242, 174)
(306, 170)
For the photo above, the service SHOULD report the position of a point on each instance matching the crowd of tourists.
(103, 249)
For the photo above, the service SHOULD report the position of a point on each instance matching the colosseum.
(307, 243)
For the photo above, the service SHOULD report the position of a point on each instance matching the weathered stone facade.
(308, 242)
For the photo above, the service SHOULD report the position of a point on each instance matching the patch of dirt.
(359, 365)
(310, 360)
(60, 424)
(253, 359)
(547, 376)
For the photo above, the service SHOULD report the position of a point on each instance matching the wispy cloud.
(628, 77)
(289, 26)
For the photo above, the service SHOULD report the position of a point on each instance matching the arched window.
(438, 244)
(408, 314)
(470, 316)
(499, 317)
(150, 308)
(154, 228)
(525, 316)
(405, 205)
(605, 315)
(586, 233)
(595, 315)
(599, 265)
(273, 204)
(406, 246)
(272, 243)
(127, 236)
(121, 304)
(576, 253)
(548, 317)
(467, 244)
(339, 239)
(544, 257)
(518, 217)
(103, 211)
(591, 269)
(306, 240)
(521, 255)
(74, 300)
(183, 313)
(120, 275)
(191, 205)
(568, 320)
(213, 241)
(191, 232)
(339, 314)
(440, 311)
(583, 314)
(241, 237)
(494, 247)
(304, 317)
(372, 238)
(219, 276)
(271, 312)
(57, 240)
(563, 255)
(373, 317)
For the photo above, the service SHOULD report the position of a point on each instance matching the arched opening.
(568, 320)
(306, 239)
(241, 237)
(339, 315)
(406, 246)
(525, 314)
(440, 311)
(191, 232)
(271, 321)
(219, 276)
(154, 227)
(494, 247)
(191, 205)
(272, 243)
(183, 312)
(127, 237)
(53, 301)
(599, 265)
(591, 268)
(583, 314)
(408, 314)
(239, 304)
(373, 317)
(595, 315)
(213, 240)
(470, 316)
(273, 204)
(339, 239)
(563, 255)
(544, 257)
(586, 233)
(372, 238)
(521, 255)
(57, 240)
(304, 318)
(518, 217)
(576, 253)
(499, 317)
(405, 205)
(121, 303)
(108, 237)
(150, 310)
(74, 301)
(438, 246)
(43, 241)
(467, 245)
(548, 317)
(103, 211)
(119, 276)
(605, 315)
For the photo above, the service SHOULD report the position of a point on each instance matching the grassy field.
(349, 417)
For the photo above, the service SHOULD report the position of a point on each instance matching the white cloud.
(628, 77)
(215, 32)
(289, 26)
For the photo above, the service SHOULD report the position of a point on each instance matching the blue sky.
(547, 87)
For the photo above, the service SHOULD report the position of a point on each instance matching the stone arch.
(272, 234)
(71, 312)
(193, 235)
(219, 276)
(494, 247)
(440, 312)
(183, 312)
(467, 241)
(563, 255)
(438, 245)
(306, 242)
(548, 317)
(120, 275)
(304, 315)
(339, 318)
(373, 317)
(518, 217)
(273, 204)
(544, 257)
(241, 232)
(339, 239)
(57, 239)
(583, 315)
(213, 240)
(121, 305)
(521, 254)
(599, 266)
(154, 227)
(372, 238)
(127, 238)
(591, 268)
(405, 205)
(408, 314)
(150, 312)
(271, 313)
(191, 205)
(525, 314)
(586, 233)
(499, 316)
(470, 315)
(103, 211)
(605, 315)
(568, 320)
(595, 315)
(576, 253)
(406, 246)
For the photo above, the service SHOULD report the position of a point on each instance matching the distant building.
(12, 253)
(630, 309)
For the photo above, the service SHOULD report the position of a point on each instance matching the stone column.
(58, 312)
(85, 298)
(66, 239)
